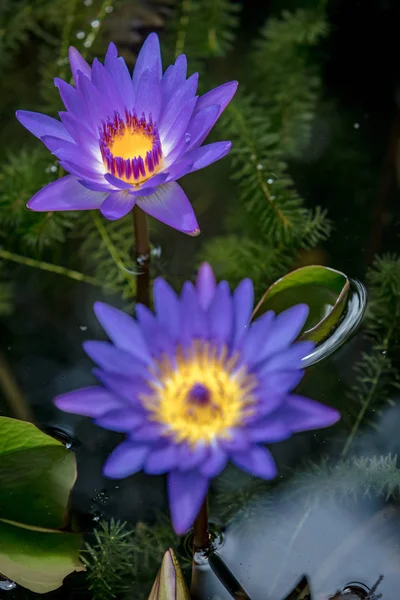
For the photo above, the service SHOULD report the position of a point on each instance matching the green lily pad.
(36, 477)
(324, 290)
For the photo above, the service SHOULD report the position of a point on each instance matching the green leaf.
(324, 290)
(36, 477)
(38, 559)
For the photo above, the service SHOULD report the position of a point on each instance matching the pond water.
(332, 513)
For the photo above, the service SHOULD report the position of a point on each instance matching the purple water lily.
(126, 140)
(194, 386)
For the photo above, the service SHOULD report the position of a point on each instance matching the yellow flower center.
(201, 396)
(131, 148)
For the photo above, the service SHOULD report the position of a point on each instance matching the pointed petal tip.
(196, 232)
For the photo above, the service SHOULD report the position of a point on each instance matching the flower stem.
(201, 537)
(142, 251)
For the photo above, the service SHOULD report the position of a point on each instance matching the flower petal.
(201, 124)
(186, 491)
(122, 420)
(206, 155)
(161, 460)
(110, 358)
(256, 461)
(303, 414)
(220, 314)
(78, 63)
(220, 95)
(243, 302)
(287, 359)
(185, 92)
(149, 57)
(173, 77)
(148, 96)
(285, 329)
(194, 323)
(93, 401)
(170, 205)
(128, 458)
(41, 125)
(167, 307)
(279, 383)
(65, 194)
(178, 127)
(117, 205)
(122, 330)
(215, 463)
(269, 430)
(205, 285)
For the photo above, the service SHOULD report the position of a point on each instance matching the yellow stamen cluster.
(230, 395)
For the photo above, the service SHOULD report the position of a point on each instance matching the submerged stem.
(142, 252)
(201, 537)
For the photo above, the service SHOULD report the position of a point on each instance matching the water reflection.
(350, 322)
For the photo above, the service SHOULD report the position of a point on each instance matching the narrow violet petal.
(206, 155)
(279, 382)
(123, 330)
(303, 414)
(78, 63)
(91, 174)
(185, 92)
(285, 329)
(149, 57)
(221, 95)
(111, 54)
(157, 337)
(201, 124)
(256, 461)
(186, 493)
(178, 127)
(190, 457)
(205, 285)
(122, 81)
(108, 357)
(220, 314)
(128, 458)
(41, 125)
(92, 401)
(122, 420)
(117, 205)
(128, 387)
(148, 96)
(71, 98)
(148, 433)
(243, 301)
(71, 152)
(215, 463)
(98, 107)
(83, 134)
(194, 322)
(238, 442)
(167, 307)
(161, 460)
(170, 205)
(97, 187)
(178, 170)
(173, 77)
(289, 359)
(269, 431)
(104, 83)
(255, 337)
(119, 183)
(65, 194)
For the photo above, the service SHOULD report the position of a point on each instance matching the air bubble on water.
(356, 125)
(260, 166)
(188, 137)
(101, 498)
(270, 181)
(95, 23)
(83, 327)
(384, 352)
(80, 35)
(7, 585)
(109, 9)
(156, 252)
(96, 517)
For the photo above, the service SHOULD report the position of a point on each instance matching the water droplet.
(60, 435)
(156, 252)
(95, 23)
(109, 9)
(80, 35)
(101, 498)
(7, 585)
(96, 517)
(83, 327)
(260, 166)
(356, 125)
(270, 181)
(188, 137)
(384, 352)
